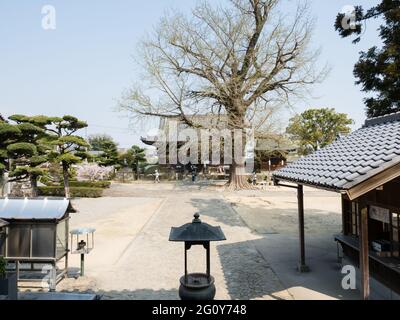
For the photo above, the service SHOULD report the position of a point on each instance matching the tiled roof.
(275, 143)
(351, 159)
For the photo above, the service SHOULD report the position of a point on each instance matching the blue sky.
(82, 67)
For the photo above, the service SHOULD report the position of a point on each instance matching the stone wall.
(21, 189)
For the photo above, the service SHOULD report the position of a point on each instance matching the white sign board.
(380, 214)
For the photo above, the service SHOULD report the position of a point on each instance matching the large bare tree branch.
(240, 61)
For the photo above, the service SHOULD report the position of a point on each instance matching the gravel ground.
(134, 260)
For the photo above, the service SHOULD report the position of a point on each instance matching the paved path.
(135, 221)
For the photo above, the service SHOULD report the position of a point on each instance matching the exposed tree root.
(238, 182)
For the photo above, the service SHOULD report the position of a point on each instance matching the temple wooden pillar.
(364, 254)
(302, 267)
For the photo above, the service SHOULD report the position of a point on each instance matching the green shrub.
(76, 192)
(78, 184)
(91, 184)
(48, 182)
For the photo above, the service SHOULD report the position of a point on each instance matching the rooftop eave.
(278, 179)
(374, 182)
(147, 142)
(354, 189)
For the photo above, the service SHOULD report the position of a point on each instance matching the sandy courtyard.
(133, 258)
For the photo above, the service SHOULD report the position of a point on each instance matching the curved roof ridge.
(395, 116)
(351, 159)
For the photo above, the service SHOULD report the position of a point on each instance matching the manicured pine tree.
(107, 146)
(69, 148)
(8, 134)
(133, 157)
(25, 151)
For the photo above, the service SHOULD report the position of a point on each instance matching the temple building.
(364, 167)
(271, 151)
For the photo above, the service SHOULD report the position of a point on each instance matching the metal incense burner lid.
(196, 231)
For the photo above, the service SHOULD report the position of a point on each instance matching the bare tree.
(241, 61)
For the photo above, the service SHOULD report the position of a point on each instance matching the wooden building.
(274, 152)
(169, 132)
(271, 151)
(365, 168)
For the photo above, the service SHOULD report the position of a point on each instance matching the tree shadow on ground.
(247, 275)
(273, 275)
(263, 220)
(217, 209)
(251, 275)
(202, 185)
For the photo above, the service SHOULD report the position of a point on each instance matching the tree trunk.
(134, 173)
(66, 180)
(238, 180)
(2, 184)
(34, 186)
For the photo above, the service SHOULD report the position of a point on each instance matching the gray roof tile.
(351, 159)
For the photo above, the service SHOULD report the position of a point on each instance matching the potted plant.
(8, 281)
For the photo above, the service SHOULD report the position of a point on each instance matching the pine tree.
(69, 148)
(378, 69)
(23, 150)
(107, 146)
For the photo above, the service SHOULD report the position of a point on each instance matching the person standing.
(254, 179)
(157, 176)
(194, 173)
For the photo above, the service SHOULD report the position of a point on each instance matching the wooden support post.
(82, 265)
(302, 267)
(207, 247)
(53, 278)
(364, 254)
(344, 213)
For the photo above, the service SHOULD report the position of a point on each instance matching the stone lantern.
(197, 286)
